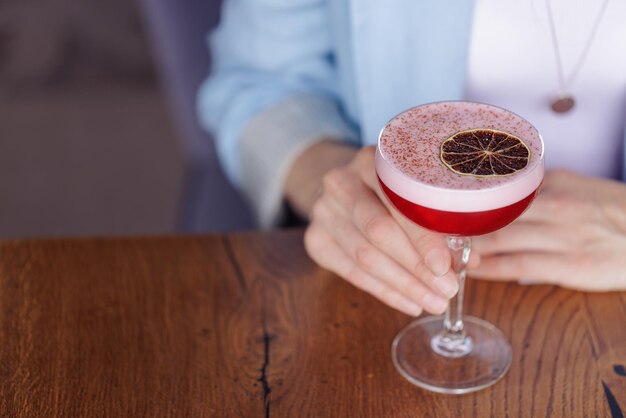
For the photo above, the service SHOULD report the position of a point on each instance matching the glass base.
(481, 366)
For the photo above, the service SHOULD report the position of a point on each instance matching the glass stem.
(452, 341)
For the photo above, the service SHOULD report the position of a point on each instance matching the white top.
(512, 64)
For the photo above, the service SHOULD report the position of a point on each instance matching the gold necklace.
(564, 102)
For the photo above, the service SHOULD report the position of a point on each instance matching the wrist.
(305, 175)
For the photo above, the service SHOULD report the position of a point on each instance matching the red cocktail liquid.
(459, 223)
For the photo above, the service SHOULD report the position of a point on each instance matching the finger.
(474, 260)
(377, 264)
(371, 220)
(541, 209)
(328, 254)
(423, 240)
(375, 223)
(557, 205)
(535, 267)
(382, 291)
(350, 197)
(343, 187)
(524, 237)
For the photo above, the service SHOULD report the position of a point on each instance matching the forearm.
(304, 181)
(269, 99)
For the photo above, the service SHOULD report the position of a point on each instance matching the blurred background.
(98, 132)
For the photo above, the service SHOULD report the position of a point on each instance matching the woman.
(300, 89)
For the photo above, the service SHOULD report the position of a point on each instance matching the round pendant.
(563, 104)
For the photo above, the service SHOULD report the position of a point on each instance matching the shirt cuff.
(274, 139)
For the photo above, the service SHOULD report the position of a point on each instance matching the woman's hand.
(356, 234)
(573, 235)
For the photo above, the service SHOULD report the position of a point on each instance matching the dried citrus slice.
(484, 153)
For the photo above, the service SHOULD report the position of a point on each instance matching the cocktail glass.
(456, 354)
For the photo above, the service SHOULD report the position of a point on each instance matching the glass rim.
(465, 192)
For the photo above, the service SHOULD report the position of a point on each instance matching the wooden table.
(246, 325)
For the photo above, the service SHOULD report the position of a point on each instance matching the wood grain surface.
(246, 325)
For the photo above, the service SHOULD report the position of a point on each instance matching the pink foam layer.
(408, 162)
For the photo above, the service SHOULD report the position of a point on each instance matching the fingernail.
(437, 262)
(410, 308)
(446, 285)
(434, 303)
(526, 281)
